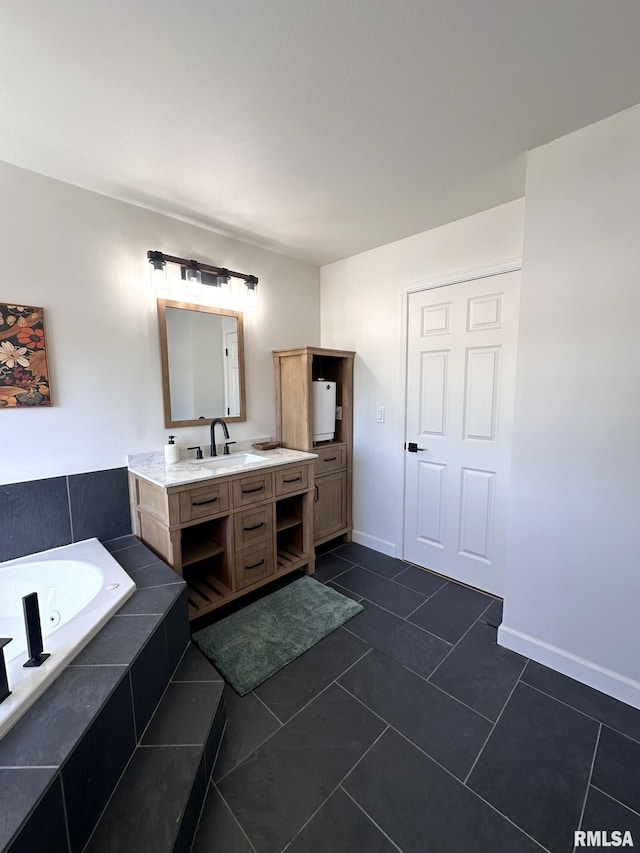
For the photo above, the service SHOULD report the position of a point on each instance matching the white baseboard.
(585, 671)
(374, 543)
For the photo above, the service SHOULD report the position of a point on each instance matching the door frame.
(444, 280)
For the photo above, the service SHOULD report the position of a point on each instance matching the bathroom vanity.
(226, 525)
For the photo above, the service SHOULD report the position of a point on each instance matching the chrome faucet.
(225, 431)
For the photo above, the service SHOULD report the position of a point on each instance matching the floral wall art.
(24, 374)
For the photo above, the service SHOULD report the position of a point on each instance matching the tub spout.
(4, 682)
(34, 631)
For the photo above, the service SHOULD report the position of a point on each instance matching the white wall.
(573, 586)
(363, 309)
(83, 257)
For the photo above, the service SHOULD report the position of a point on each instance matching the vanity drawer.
(252, 489)
(253, 527)
(292, 479)
(254, 565)
(204, 501)
(330, 458)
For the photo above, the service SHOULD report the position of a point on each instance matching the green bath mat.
(250, 645)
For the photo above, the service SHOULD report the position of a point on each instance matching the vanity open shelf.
(203, 541)
(289, 513)
(228, 535)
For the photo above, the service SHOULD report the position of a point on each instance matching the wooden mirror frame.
(163, 304)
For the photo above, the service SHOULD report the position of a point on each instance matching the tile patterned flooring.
(410, 729)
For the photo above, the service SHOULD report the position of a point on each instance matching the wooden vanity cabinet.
(229, 535)
(295, 372)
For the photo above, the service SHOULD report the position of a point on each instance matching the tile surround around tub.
(83, 728)
(90, 494)
(86, 791)
(41, 514)
(33, 517)
(21, 787)
(46, 829)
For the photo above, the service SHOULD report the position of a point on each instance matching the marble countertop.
(152, 467)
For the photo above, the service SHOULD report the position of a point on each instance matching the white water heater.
(324, 410)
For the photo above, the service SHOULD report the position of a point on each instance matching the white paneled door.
(231, 374)
(461, 348)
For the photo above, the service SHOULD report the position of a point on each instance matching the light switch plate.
(380, 415)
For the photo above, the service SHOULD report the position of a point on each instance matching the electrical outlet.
(338, 413)
(380, 415)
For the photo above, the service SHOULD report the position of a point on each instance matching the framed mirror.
(202, 353)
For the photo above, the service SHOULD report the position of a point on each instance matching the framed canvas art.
(24, 373)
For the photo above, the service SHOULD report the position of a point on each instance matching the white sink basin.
(233, 460)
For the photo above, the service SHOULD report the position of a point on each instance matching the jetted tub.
(79, 588)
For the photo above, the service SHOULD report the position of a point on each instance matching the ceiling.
(318, 129)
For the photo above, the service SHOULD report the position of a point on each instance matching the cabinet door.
(330, 505)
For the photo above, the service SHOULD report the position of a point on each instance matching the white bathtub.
(79, 588)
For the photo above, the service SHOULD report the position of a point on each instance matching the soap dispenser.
(171, 451)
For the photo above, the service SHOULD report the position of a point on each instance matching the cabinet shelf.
(287, 521)
(195, 552)
(202, 541)
(289, 513)
(205, 592)
(290, 557)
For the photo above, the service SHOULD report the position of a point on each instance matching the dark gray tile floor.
(410, 729)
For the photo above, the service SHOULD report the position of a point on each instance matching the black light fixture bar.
(159, 259)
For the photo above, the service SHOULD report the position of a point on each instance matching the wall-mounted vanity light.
(193, 273)
(196, 273)
(252, 288)
(223, 278)
(158, 271)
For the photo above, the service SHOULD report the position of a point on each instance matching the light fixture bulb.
(222, 284)
(251, 283)
(193, 274)
(157, 271)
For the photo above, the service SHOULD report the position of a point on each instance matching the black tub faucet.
(4, 682)
(225, 431)
(34, 630)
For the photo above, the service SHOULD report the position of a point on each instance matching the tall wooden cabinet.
(296, 370)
